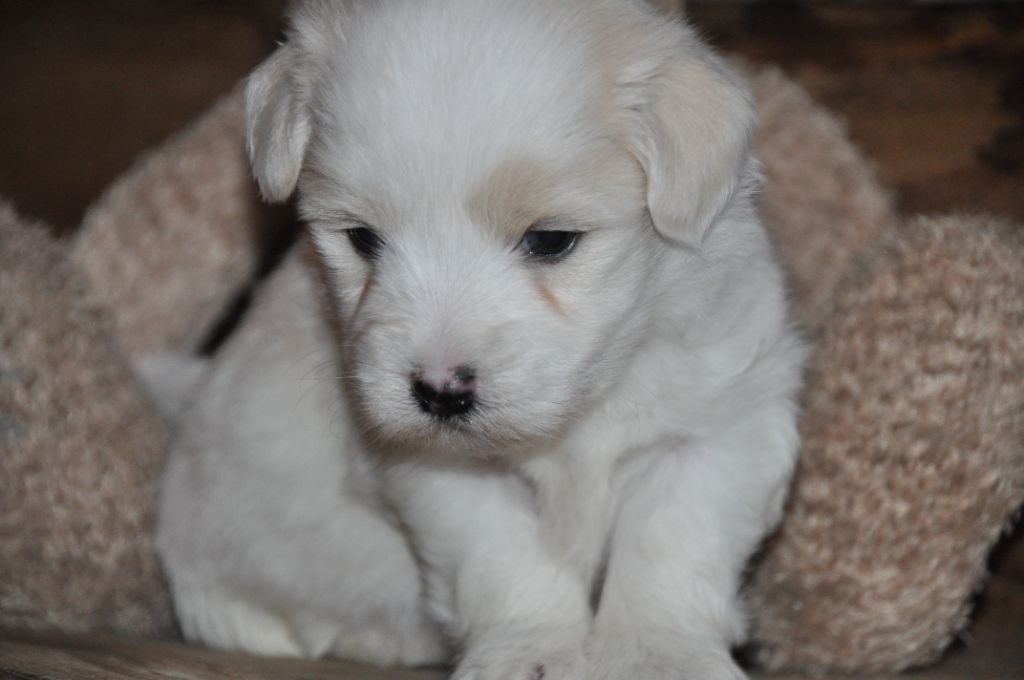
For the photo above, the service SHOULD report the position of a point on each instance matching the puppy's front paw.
(532, 655)
(631, 658)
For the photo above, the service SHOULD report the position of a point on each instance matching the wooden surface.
(54, 656)
(993, 650)
(42, 656)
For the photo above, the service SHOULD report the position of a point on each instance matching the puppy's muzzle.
(454, 396)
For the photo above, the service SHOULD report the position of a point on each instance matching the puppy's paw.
(532, 655)
(631, 658)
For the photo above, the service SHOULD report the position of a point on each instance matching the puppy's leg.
(269, 529)
(515, 611)
(688, 523)
(343, 584)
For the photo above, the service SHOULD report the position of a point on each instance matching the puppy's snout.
(454, 395)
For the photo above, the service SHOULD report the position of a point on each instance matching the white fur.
(636, 433)
(170, 379)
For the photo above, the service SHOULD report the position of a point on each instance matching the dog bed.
(913, 456)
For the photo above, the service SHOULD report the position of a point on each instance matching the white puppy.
(529, 398)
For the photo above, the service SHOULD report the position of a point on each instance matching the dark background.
(933, 93)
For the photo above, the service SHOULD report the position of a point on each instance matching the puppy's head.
(500, 192)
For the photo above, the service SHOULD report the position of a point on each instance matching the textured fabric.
(80, 448)
(822, 200)
(913, 457)
(173, 241)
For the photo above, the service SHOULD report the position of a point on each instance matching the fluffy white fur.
(635, 433)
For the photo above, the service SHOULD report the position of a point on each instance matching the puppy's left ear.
(691, 126)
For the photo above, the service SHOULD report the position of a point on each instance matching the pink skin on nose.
(452, 381)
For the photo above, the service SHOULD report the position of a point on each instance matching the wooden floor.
(994, 652)
(935, 95)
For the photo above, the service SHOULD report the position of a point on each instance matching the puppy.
(526, 402)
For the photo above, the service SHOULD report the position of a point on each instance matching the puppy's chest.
(578, 489)
(575, 508)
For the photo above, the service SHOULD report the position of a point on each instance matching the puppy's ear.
(277, 123)
(691, 129)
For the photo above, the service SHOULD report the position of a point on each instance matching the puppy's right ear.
(277, 124)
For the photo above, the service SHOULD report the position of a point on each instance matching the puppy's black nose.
(456, 396)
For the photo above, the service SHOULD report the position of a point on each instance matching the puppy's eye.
(549, 245)
(366, 241)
